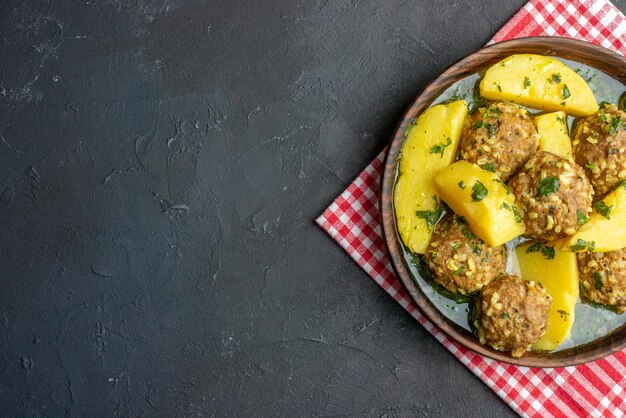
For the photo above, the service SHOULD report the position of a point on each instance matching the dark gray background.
(161, 165)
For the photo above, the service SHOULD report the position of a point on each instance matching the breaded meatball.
(603, 278)
(500, 137)
(461, 262)
(554, 194)
(600, 147)
(511, 314)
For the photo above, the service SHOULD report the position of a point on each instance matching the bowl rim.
(567, 48)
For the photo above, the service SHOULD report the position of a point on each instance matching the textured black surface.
(161, 164)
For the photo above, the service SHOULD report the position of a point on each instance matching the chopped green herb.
(456, 245)
(526, 82)
(504, 315)
(508, 192)
(457, 96)
(582, 245)
(479, 192)
(468, 234)
(562, 120)
(563, 314)
(517, 214)
(489, 167)
(440, 148)
(603, 117)
(591, 166)
(604, 103)
(556, 78)
(505, 205)
(408, 130)
(430, 216)
(616, 125)
(475, 248)
(603, 209)
(462, 185)
(548, 252)
(493, 112)
(499, 88)
(582, 217)
(477, 102)
(491, 128)
(547, 186)
(458, 271)
(597, 280)
(566, 92)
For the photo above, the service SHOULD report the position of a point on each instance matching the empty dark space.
(161, 166)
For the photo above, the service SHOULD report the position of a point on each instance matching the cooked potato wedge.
(483, 199)
(552, 129)
(558, 272)
(606, 228)
(430, 146)
(539, 82)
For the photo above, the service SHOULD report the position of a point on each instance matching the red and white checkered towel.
(592, 389)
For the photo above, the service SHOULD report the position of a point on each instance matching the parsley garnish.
(456, 246)
(479, 192)
(408, 130)
(616, 125)
(603, 117)
(556, 78)
(517, 214)
(489, 167)
(430, 216)
(493, 112)
(597, 280)
(582, 244)
(468, 234)
(591, 166)
(458, 271)
(548, 186)
(563, 314)
(548, 252)
(582, 217)
(462, 185)
(566, 92)
(508, 192)
(475, 248)
(440, 148)
(504, 315)
(491, 128)
(604, 103)
(603, 209)
(526, 82)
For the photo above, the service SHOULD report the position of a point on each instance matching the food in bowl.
(600, 147)
(500, 137)
(511, 314)
(603, 278)
(554, 195)
(511, 178)
(461, 262)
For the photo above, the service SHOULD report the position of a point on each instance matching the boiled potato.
(483, 199)
(430, 146)
(558, 273)
(552, 130)
(606, 228)
(539, 82)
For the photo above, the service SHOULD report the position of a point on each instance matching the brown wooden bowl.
(586, 53)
